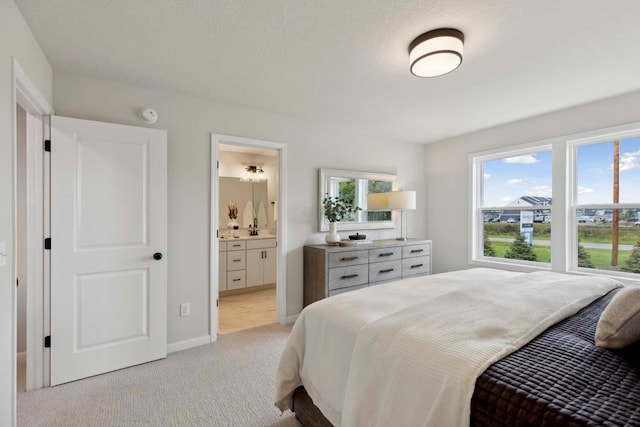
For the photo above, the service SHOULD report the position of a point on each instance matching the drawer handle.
(417, 265)
(349, 276)
(416, 251)
(237, 260)
(236, 280)
(350, 258)
(236, 246)
(388, 270)
(386, 254)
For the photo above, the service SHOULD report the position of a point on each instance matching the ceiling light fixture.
(254, 174)
(436, 52)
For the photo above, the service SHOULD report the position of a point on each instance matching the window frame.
(564, 244)
(476, 248)
(631, 131)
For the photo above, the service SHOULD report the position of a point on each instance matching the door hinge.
(216, 302)
(47, 145)
(216, 233)
(17, 282)
(47, 243)
(217, 164)
(47, 341)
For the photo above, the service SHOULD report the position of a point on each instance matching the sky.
(530, 175)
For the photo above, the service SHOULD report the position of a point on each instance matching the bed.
(370, 357)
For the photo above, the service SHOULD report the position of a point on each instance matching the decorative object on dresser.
(330, 270)
(336, 209)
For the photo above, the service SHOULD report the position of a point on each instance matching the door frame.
(26, 94)
(281, 232)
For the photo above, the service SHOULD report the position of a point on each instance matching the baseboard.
(187, 344)
(291, 319)
(21, 357)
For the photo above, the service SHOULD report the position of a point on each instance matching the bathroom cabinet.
(261, 262)
(246, 262)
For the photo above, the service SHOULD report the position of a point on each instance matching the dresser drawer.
(385, 254)
(383, 271)
(415, 266)
(236, 260)
(341, 259)
(416, 250)
(343, 277)
(238, 245)
(343, 290)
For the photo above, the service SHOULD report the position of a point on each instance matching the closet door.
(108, 246)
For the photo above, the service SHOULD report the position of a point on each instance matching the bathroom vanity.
(246, 263)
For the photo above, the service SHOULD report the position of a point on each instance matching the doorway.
(248, 285)
(21, 246)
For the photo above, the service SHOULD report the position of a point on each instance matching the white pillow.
(619, 324)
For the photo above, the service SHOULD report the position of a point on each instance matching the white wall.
(447, 172)
(189, 123)
(16, 41)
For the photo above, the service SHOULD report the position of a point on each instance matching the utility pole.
(616, 194)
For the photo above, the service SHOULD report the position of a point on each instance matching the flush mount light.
(436, 52)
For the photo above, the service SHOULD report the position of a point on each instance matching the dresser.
(331, 270)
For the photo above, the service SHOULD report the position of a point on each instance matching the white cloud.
(629, 161)
(515, 181)
(583, 190)
(487, 176)
(527, 159)
(540, 190)
(506, 199)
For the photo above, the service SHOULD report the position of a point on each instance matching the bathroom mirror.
(355, 186)
(251, 199)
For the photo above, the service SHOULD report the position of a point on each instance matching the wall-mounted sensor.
(148, 115)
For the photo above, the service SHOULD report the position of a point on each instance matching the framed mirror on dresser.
(355, 186)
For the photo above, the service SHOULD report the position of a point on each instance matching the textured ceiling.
(345, 63)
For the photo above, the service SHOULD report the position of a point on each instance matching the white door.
(108, 245)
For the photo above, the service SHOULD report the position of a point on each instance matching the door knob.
(157, 256)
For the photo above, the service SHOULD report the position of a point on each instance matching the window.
(595, 182)
(513, 205)
(606, 207)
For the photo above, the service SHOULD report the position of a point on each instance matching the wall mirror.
(251, 198)
(355, 186)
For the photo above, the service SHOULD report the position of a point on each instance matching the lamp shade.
(377, 201)
(436, 52)
(401, 200)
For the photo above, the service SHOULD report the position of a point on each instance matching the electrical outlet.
(185, 309)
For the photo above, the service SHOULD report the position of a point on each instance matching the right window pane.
(607, 212)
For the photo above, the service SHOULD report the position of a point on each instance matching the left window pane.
(516, 206)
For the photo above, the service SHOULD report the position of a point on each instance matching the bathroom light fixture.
(254, 174)
(436, 52)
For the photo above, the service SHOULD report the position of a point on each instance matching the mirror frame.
(324, 173)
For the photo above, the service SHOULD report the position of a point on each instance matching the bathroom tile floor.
(246, 311)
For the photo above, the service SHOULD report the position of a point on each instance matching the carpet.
(228, 383)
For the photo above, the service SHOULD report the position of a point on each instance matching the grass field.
(601, 258)
(587, 233)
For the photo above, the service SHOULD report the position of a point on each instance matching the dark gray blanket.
(562, 379)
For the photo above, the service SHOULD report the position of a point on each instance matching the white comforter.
(409, 352)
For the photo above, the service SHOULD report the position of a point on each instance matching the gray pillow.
(619, 324)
